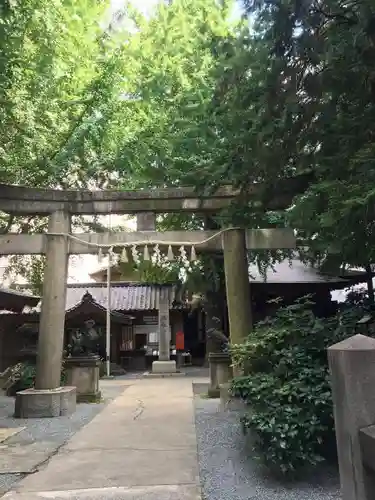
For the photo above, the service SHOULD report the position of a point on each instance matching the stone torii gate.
(58, 243)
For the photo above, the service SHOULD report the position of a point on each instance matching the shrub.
(22, 376)
(286, 385)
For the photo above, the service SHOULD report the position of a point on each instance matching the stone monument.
(164, 365)
(220, 363)
(83, 365)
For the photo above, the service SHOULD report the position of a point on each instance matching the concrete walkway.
(141, 446)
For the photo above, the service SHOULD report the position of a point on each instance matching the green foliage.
(88, 107)
(85, 107)
(286, 385)
(58, 84)
(31, 268)
(296, 94)
(51, 53)
(22, 376)
(189, 96)
(169, 67)
(180, 272)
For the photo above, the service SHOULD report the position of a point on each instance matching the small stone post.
(237, 285)
(164, 364)
(352, 367)
(52, 317)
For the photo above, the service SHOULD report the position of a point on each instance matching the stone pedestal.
(45, 403)
(83, 373)
(220, 372)
(161, 369)
(164, 367)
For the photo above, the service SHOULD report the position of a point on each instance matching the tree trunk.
(370, 285)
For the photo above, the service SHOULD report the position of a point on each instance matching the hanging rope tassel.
(124, 255)
(156, 254)
(146, 254)
(100, 256)
(135, 254)
(170, 255)
(183, 252)
(193, 255)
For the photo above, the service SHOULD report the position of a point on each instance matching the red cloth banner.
(180, 341)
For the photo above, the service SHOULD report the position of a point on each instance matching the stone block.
(224, 395)
(213, 393)
(68, 400)
(83, 373)
(45, 403)
(160, 367)
(351, 364)
(164, 375)
(220, 372)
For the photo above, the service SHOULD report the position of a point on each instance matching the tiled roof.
(88, 304)
(283, 272)
(297, 272)
(12, 300)
(124, 296)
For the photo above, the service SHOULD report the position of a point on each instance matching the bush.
(23, 377)
(286, 385)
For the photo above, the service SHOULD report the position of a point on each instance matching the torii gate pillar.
(52, 317)
(237, 285)
(48, 399)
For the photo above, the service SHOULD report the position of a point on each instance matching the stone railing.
(352, 367)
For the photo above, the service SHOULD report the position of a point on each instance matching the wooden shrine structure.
(58, 243)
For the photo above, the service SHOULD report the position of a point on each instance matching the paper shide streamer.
(155, 256)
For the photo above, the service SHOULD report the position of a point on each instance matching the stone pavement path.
(35, 440)
(141, 446)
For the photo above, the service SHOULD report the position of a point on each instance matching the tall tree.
(300, 96)
(52, 55)
(58, 71)
(168, 85)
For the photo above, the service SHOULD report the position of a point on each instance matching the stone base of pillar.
(160, 367)
(47, 403)
(83, 373)
(164, 375)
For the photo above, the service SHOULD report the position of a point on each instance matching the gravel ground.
(54, 430)
(228, 473)
(7, 481)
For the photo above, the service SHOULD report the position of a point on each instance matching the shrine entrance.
(58, 243)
